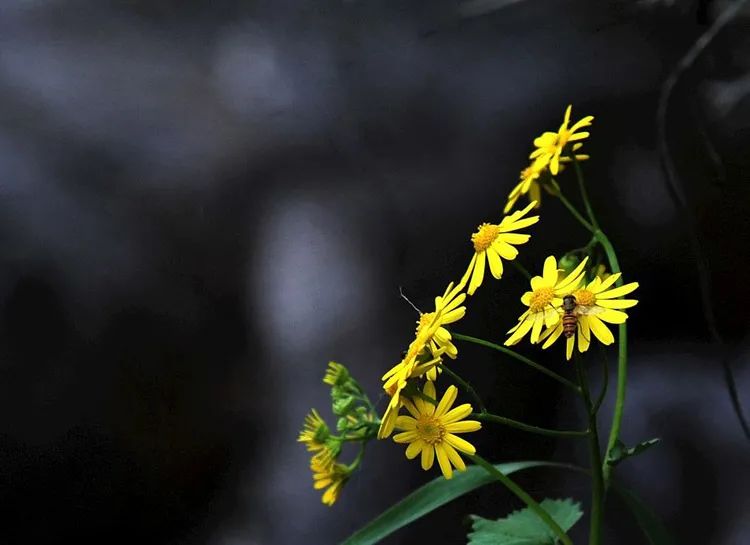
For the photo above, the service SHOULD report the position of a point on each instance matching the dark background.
(201, 203)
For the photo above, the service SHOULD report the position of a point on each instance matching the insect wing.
(583, 310)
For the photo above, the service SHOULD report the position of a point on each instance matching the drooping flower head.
(332, 477)
(336, 374)
(495, 242)
(529, 184)
(596, 303)
(552, 145)
(544, 300)
(318, 439)
(448, 310)
(431, 430)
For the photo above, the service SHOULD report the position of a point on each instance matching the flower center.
(541, 298)
(430, 430)
(485, 236)
(424, 320)
(585, 297)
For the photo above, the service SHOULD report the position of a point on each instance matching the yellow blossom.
(331, 476)
(315, 435)
(431, 430)
(336, 374)
(596, 303)
(432, 325)
(544, 299)
(551, 145)
(529, 183)
(494, 242)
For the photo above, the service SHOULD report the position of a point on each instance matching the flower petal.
(601, 331)
(460, 444)
(415, 448)
(478, 275)
(428, 456)
(464, 426)
(445, 465)
(449, 397)
(457, 413)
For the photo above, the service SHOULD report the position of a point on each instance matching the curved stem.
(585, 194)
(465, 385)
(489, 417)
(571, 208)
(679, 197)
(597, 485)
(518, 357)
(520, 268)
(523, 496)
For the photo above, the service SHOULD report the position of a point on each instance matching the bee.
(571, 311)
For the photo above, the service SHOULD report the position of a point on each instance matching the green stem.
(489, 417)
(597, 485)
(571, 208)
(622, 363)
(520, 268)
(465, 385)
(523, 496)
(585, 194)
(518, 357)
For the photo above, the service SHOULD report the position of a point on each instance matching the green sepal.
(620, 451)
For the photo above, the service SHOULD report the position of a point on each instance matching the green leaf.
(429, 497)
(524, 527)
(619, 452)
(651, 525)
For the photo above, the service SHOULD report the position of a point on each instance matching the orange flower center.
(541, 298)
(584, 297)
(430, 429)
(485, 236)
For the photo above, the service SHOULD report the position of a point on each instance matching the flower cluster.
(552, 151)
(588, 306)
(357, 422)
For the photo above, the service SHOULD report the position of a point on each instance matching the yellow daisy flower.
(529, 184)
(544, 299)
(332, 477)
(551, 145)
(432, 325)
(431, 430)
(595, 304)
(411, 366)
(495, 241)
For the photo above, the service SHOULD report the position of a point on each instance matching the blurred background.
(201, 203)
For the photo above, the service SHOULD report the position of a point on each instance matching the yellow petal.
(601, 331)
(406, 437)
(447, 401)
(457, 413)
(415, 448)
(618, 292)
(570, 343)
(404, 422)
(428, 456)
(460, 444)
(464, 426)
(445, 465)
(454, 457)
(496, 266)
(478, 275)
(550, 271)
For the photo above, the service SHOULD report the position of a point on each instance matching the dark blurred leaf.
(620, 451)
(429, 497)
(651, 525)
(524, 527)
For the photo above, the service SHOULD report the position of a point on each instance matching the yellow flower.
(430, 430)
(544, 299)
(495, 241)
(529, 184)
(332, 476)
(431, 341)
(413, 364)
(432, 325)
(596, 303)
(336, 374)
(551, 145)
(315, 435)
